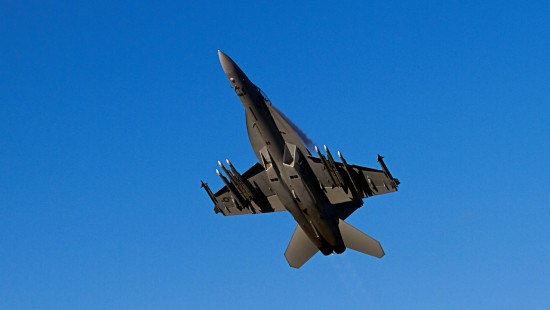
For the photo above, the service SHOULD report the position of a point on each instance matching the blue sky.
(112, 112)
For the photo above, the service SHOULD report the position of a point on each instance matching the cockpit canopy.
(264, 96)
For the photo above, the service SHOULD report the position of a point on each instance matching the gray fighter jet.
(318, 191)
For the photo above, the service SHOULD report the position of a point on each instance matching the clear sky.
(111, 112)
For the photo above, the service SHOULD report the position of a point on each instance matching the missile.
(242, 184)
(229, 174)
(237, 182)
(234, 192)
(334, 168)
(209, 192)
(235, 172)
(327, 167)
(348, 170)
(387, 171)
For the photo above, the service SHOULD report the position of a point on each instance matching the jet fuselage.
(286, 165)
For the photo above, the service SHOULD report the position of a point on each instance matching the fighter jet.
(319, 192)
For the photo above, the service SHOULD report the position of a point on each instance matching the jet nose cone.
(221, 54)
(228, 65)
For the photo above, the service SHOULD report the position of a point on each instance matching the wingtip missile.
(387, 171)
(209, 192)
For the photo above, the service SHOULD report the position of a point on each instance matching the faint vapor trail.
(358, 294)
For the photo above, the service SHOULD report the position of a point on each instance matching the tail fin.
(300, 249)
(359, 241)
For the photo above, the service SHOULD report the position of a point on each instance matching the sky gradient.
(111, 113)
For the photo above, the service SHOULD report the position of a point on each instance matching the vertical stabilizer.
(300, 249)
(359, 241)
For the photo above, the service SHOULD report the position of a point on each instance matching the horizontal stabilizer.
(359, 241)
(300, 249)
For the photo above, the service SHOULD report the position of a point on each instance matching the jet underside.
(318, 191)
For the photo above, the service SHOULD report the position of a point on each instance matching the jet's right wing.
(248, 193)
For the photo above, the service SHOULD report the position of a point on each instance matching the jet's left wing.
(248, 193)
(343, 182)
